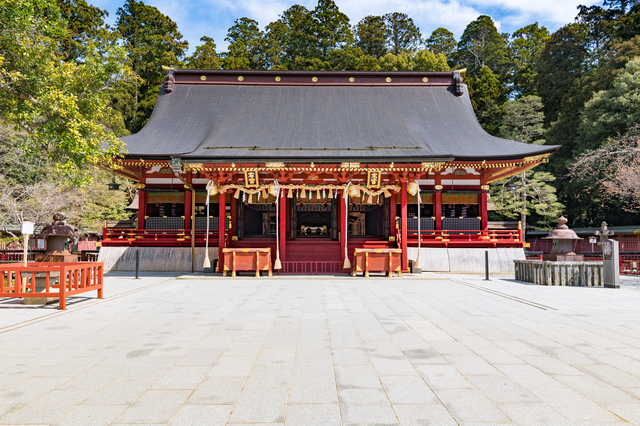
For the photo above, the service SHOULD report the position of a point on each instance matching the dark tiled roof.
(226, 120)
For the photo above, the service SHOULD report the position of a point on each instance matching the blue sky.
(213, 18)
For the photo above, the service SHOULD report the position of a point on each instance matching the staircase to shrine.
(314, 255)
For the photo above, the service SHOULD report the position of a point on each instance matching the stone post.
(610, 257)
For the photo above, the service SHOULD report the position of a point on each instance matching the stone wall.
(467, 260)
(158, 259)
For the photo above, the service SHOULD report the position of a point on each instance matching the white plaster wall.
(467, 260)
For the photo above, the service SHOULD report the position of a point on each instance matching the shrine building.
(356, 160)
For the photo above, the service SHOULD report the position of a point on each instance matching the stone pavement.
(441, 350)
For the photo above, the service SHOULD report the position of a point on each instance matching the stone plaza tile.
(597, 390)
(269, 377)
(48, 408)
(201, 415)
(500, 389)
(151, 367)
(28, 390)
(313, 390)
(313, 365)
(276, 356)
(424, 415)
(368, 414)
(313, 415)
(218, 390)
(408, 390)
(154, 406)
(260, 406)
(124, 390)
(470, 405)
(233, 366)
(357, 377)
(182, 377)
(442, 376)
(350, 356)
(94, 415)
(535, 414)
(201, 356)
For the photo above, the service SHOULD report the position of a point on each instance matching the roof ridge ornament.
(169, 80)
(457, 79)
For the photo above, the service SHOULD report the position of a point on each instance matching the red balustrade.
(60, 280)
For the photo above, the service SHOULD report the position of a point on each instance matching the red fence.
(155, 238)
(57, 280)
(448, 238)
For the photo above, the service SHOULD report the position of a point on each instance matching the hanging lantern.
(412, 188)
(273, 190)
(113, 186)
(213, 190)
(354, 191)
(512, 188)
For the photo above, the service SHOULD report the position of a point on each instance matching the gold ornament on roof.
(314, 79)
(351, 79)
(278, 78)
(425, 79)
(240, 78)
(203, 77)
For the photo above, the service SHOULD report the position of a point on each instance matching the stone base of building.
(154, 259)
(467, 260)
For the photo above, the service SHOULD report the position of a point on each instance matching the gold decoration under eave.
(251, 178)
(536, 158)
(303, 188)
(350, 165)
(433, 165)
(425, 79)
(438, 187)
(274, 165)
(140, 185)
(373, 179)
(351, 79)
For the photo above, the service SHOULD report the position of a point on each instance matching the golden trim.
(140, 185)
(278, 78)
(484, 187)
(273, 165)
(203, 77)
(193, 167)
(314, 79)
(537, 158)
(433, 165)
(350, 165)
(351, 79)
(240, 78)
(425, 79)
(438, 187)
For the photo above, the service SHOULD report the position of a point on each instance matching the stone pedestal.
(611, 260)
(41, 286)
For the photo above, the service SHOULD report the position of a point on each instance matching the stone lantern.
(57, 236)
(563, 239)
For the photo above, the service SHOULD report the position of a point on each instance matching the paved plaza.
(436, 350)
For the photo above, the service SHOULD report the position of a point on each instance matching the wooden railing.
(487, 238)
(50, 280)
(156, 237)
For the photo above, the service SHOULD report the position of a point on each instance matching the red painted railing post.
(62, 288)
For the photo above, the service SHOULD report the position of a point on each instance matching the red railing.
(156, 237)
(40, 280)
(488, 238)
(312, 267)
(8, 256)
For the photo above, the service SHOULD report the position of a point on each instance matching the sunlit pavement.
(440, 349)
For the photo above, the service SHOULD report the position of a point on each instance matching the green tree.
(525, 47)
(151, 40)
(371, 35)
(423, 60)
(62, 107)
(535, 197)
(523, 119)
(246, 46)
(404, 35)
(441, 41)
(84, 23)
(488, 97)
(205, 56)
(291, 37)
(352, 58)
(330, 27)
(482, 46)
(612, 112)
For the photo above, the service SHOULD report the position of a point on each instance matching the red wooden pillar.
(187, 206)
(142, 208)
(234, 217)
(343, 225)
(221, 229)
(392, 215)
(403, 213)
(484, 216)
(437, 202)
(283, 226)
